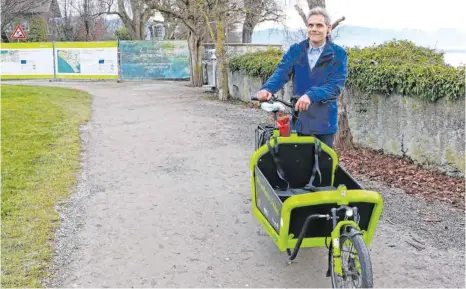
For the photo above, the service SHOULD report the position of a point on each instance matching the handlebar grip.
(254, 98)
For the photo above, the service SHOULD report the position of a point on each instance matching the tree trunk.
(170, 29)
(195, 58)
(221, 67)
(137, 30)
(248, 28)
(142, 30)
(131, 31)
(87, 29)
(343, 138)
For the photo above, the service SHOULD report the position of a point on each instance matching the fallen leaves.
(403, 174)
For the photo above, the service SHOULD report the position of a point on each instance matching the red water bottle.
(284, 126)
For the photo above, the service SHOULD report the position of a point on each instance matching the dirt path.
(164, 201)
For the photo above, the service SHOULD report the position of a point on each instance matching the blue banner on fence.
(154, 59)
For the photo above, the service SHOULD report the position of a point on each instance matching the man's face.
(317, 29)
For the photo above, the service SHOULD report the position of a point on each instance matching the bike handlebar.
(289, 104)
(274, 108)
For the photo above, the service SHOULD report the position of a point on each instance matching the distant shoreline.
(447, 43)
(446, 40)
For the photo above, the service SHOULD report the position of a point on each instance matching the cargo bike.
(303, 198)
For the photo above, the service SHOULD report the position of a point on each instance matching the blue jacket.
(323, 85)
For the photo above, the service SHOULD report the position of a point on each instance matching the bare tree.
(11, 9)
(65, 28)
(90, 22)
(113, 26)
(313, 4)
(258, 11)
(133, 13)
(216, 14)
(173, 27)
(187, 11)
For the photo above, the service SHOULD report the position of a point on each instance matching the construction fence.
(95, 60)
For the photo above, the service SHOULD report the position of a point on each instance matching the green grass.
(40, 156)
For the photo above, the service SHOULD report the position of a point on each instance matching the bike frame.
(341, 197)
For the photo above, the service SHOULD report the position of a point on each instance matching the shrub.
(122, 34)
(257, 64)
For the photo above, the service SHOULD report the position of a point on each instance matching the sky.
(391, 14)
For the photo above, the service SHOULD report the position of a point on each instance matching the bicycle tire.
(364, 260)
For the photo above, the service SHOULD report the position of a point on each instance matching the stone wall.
(431, 134)
(242, 86)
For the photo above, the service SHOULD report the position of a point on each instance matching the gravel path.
(164, 201)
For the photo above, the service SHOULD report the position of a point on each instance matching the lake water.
(455, 58)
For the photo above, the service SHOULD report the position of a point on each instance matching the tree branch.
(337, 22)
(301, 14)
(312, 4)
(174, 14)
(122, 12)
(207, 19)
(108, 10)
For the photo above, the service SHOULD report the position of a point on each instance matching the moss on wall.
(455, 158)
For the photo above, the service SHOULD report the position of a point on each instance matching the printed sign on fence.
(154, 59)
(86, 59)
(27, 60)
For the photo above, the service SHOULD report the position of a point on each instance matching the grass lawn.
(40, 149)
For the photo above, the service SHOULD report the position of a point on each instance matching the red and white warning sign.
(18, 33)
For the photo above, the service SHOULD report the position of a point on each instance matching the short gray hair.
(320, 11)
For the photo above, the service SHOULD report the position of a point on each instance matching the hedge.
(392, 67)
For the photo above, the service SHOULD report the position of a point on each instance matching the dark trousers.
(327, 139)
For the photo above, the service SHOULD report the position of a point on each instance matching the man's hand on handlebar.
(264, 95)
(303, 103)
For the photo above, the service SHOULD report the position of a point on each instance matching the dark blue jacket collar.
(328, 48)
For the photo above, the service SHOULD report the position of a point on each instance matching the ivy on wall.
(392, 67)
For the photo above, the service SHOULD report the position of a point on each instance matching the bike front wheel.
(355, 263)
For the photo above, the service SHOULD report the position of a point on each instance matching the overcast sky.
(392, 14)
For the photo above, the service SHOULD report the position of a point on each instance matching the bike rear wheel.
(355, 262)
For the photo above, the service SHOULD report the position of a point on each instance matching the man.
(319, 70)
